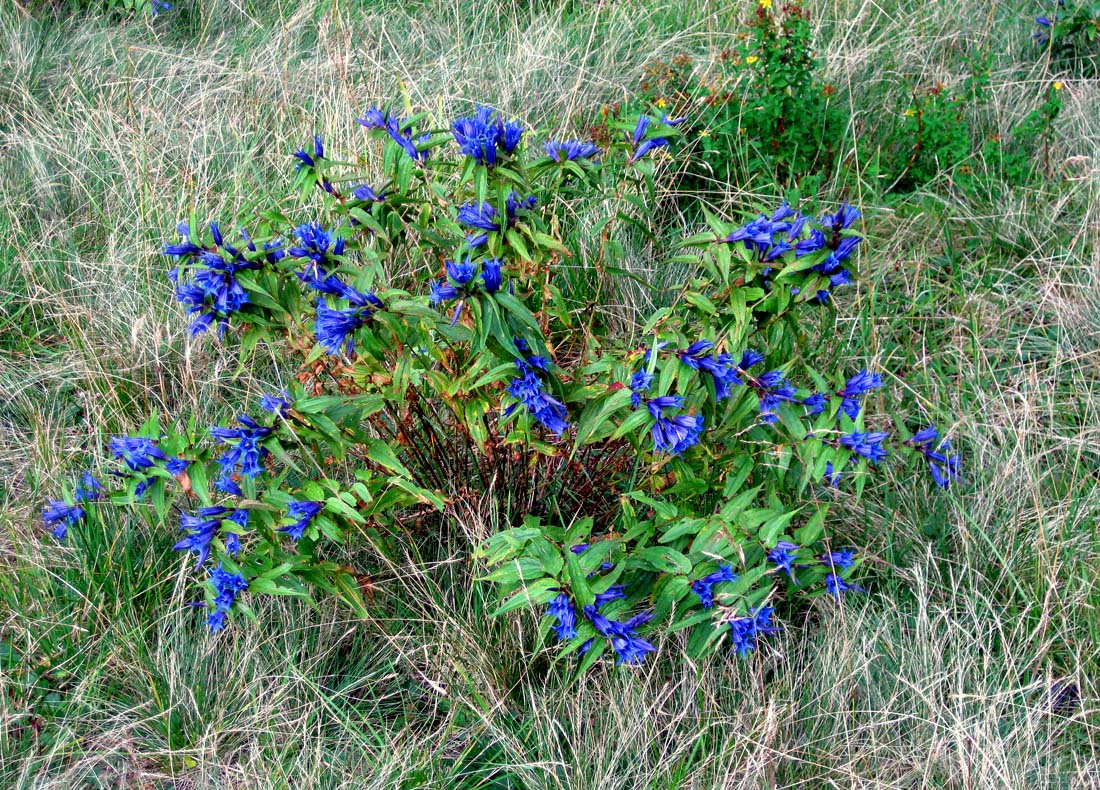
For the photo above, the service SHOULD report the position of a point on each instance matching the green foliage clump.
(761, 112)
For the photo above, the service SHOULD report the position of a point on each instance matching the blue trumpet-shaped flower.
(484, 134)
(783, 555)
(561, 608)
(673, 435)
(641, 145)
(868, 445)
(527, 389)
(59, 516)
(303, 514)
(136, 452)
(835, 585)
(704, 587)
(944, 468)
(227, 586)
(570, 150)
(746, 631)
(854, 390)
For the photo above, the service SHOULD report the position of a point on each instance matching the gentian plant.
(648, 483)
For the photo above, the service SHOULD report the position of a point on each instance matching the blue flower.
(366, 194)
(570, 150)
(760, 234)
(640, 382)
(673, 435)
(815, 403)
(704, 587)
(842, 559)
(461, 273)
(641, 145)
(615, 592)
(89, 489)
(305, 160)
(334, 328)
(484, 217)
(868, 445)
(316, 243)
(160, 5)
(201, 528)
(394, 126)
(177, 466)
(214, 293)
(227, 587)
(275, 404)
(835, 585)
(944, 469)
(373, 118)
(136, 452)
(491, 275)
(303, 513)
(832, 476)
(562, 609)
(442, 291)
(691, 355)
(813, 243)
(481, 134)
(782, 556)
(773, 389)
(527, 389)
(59, 516)
(629, 648)
(856, 387)
(247, 452)
(843, 219)
(745, 631)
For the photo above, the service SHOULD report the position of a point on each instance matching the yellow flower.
(765, 3)
(705, 133)
(661, 103)
(910, 112)
(1058, 86)
(751, 59)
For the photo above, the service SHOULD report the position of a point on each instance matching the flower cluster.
(335, 327)
(528, 390)
(59, 515)
(769, 238)
(301, 514)
(484, 135)
(672, 435)
(628, 646)
(704, 587)
(202, 526)
(246, 452)
(642, 144)
(206, 277)
(400, 131)
(227, 587)
(485, 218)
(944, 468)
(570, 150)
(745, 631)
(462, 281)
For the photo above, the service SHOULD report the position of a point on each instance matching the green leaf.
(381, 453)
(541, 592)
(664, 559)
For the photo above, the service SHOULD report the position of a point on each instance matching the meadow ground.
(973, 660)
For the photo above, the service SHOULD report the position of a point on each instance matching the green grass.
(984, 308)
